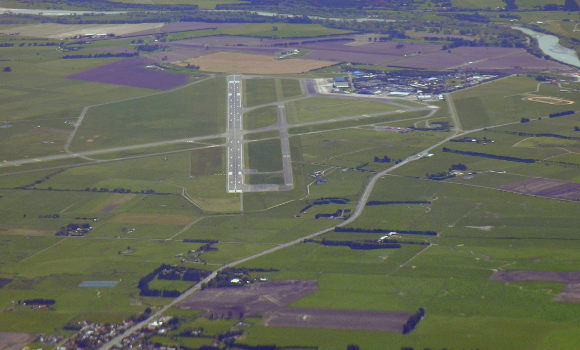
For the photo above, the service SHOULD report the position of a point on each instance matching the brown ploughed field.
(546, 188)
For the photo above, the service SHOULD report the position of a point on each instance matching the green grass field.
(264, 156)
(320, 108)
(261, 117)
(263, 91)
(191, 111)
(503, 101)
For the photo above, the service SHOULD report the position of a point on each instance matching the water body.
(550, 45)
(43, 12)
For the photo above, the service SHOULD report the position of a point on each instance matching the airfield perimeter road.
(235, 137)
(116, 342)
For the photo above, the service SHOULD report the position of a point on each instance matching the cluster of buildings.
(429, 86)
(93, 335)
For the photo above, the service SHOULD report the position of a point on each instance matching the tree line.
(380, 231)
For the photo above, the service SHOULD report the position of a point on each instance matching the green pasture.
(39, 102)
(503, 102)
(195, 110)
(264, 156)
(261, 117)
(277, 179)
(395, 119)
(262, 135)
(263, 91)
(320, 108)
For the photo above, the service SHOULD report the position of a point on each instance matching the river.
(550, 45)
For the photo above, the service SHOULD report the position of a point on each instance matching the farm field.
(419, 223)
(254, 64)
(504, 101)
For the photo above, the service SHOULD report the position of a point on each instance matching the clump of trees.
(413, 321)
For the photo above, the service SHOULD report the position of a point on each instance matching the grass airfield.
(177, 193)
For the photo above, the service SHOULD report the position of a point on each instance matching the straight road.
(107, 150)
(235, 136)
(285, 143)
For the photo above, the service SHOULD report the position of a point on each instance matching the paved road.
(107, 150)
(285, 143)
(235, 136)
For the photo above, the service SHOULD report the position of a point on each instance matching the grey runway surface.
(235, 150)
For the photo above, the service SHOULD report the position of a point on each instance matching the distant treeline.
(382, 230)
(305, 42)
(324, 201)
(101, 55)
(94, 189)
(385, 159)
(47, 177)
(459, 42)
(169, 273)
(560, 114)
(525, 134)
(182, 274)
(372, 203)
(46, 302)
(357, 245)
(361, 168)
(339, 213)
(211, 241)
(492, 156)
(223, 278)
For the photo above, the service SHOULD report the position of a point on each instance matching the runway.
(235, 150)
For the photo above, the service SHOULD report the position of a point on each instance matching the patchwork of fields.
(113, 202)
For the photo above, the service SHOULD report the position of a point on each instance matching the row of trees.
(381, 230)
(372, 203)
(357, 245)
(492, 156)
(101, 55)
